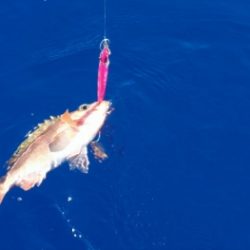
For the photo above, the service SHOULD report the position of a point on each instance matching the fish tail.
(3, 189)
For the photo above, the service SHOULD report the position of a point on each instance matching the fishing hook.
(104, 43)
(98, 137)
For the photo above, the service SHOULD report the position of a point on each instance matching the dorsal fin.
(31, 136)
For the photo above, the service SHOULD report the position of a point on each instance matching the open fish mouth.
(106, 105)
(110, 108)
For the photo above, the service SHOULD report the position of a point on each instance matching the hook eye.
(104, 43)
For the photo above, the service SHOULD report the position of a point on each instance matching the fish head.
(90, 117)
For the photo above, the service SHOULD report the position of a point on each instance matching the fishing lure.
(103, 69)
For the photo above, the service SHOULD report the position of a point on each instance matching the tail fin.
(3, 189)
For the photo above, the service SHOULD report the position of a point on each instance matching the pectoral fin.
(80, 161)
(62, 140)
(98, 151)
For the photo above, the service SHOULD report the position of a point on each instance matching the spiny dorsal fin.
(31, 136)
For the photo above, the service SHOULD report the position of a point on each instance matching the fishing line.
(104, 18)
(103, 66)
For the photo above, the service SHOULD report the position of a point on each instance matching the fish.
(54, 141)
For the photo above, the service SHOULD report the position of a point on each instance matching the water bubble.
(69, 199)
(19, 199)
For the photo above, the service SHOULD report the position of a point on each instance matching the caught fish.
(59, 139)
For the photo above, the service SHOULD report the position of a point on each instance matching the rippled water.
(178, 174)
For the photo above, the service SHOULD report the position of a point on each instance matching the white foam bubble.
(69, 199)
(19, 199)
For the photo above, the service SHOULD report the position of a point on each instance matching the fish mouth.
(110, 108)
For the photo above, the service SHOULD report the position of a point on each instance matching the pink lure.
(103, 71)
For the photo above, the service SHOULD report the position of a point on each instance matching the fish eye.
(83, 107)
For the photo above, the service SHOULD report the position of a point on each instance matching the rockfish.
(59, 139)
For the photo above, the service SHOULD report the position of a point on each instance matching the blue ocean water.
(178, 140)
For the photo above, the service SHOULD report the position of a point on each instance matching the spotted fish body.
(59, 139)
